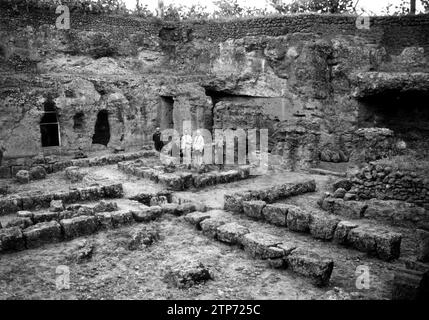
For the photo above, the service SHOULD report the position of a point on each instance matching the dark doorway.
(102, 129)
(166, 113)
(49, 126)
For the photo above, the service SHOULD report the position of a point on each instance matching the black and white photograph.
(214, 156)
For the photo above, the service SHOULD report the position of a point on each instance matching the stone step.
(380, 242)
(325, 172)
(279, 252)
(90, 221)
(15, 203)
(182, 180)
(234, 201)
(51, 165)
(393, 212)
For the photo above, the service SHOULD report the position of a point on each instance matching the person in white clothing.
(186, 147)
(198, 148)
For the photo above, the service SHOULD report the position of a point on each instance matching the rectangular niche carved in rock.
(49, 125)
(102, 129)
(165, 113)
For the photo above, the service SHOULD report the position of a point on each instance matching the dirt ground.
(114, 272)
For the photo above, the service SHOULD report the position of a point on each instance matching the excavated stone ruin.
(344, 188)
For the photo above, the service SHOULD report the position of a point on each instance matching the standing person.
(2, 150)
(157, 140)
(186, 147)
(198, 148)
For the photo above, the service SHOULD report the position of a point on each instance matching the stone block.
(170, 208)
(11, 239)
(196, 217)
(187, 273)
(234, 202)
(42, 233)
(349, 209)
(253, 209)
(21, 222)
(105, 206)
(25, 214)
(276, 213)
(232, 233)
(37, 173)
(23, 176)
(376, 241)
(104, 220)
(122, 217)
(311, 265)
(79, 226)
(323, 226)
(210, 226)
(263, 246)
(298, 219)
(44, 216)
(56, 206)
(146, 214)
(342, 231)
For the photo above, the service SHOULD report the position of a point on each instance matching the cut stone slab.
(122, 217)
(170, 208)
(79, 226)
(342, 231)
(25, 214)
(376, 241)
(310, 264)
(186, 274)
(105, 206)
(56, 206)
(323, 226)
(263, 246)
(276, 213)
(298, 219)
(210, 226)
(42, 233)
(232, 233)
(253, 209)
(23, 176)
(44, 216)
(196, 217)
(11, 239)
(104, 220)
(339, 207)
(19, 222)
(146, 214)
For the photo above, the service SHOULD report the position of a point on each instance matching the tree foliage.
(319, 6)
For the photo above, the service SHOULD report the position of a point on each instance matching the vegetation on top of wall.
(406, 163)
(226, 9)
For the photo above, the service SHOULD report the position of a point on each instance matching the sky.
(371, 6)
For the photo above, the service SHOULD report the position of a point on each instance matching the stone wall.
(384, 182)
(217, 74)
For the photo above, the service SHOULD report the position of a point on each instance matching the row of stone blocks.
(184, 180)
(52, 166)
(30, 201)
(376, 241)
(394, 212)
(280, 253)
(55, 230)
(234, 202)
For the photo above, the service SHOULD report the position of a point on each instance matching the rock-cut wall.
(111, 80)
